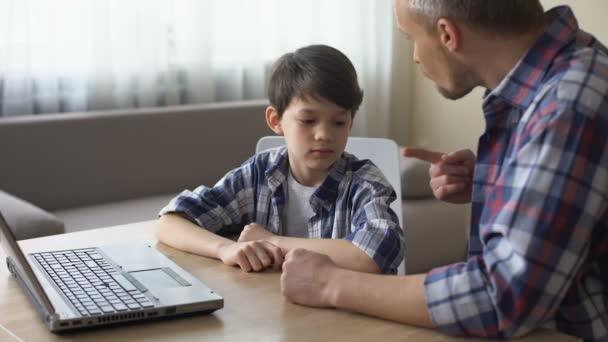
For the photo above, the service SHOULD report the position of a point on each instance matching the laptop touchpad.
(155, 279)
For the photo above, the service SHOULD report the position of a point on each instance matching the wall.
(446, 125)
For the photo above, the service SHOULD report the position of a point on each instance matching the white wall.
(442, 124)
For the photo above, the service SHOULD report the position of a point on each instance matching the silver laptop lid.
(10, 246)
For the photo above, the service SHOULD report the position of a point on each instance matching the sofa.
(75, 171)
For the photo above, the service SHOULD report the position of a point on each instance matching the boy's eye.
(307, 122)
(340, 123)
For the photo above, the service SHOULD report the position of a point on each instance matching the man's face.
(316, 132)
(452, 79)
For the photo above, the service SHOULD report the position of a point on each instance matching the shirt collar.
(520, 86)
(277, 171)
(326, 194)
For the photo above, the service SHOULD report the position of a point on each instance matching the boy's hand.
(255, 232)
(251, 256)
(451, 174)
(306, 276)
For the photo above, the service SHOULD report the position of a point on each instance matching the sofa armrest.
(414, 178)
(26, 220)
(435, 231)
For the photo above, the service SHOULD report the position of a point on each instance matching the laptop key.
(124, 282)
(91, 264)
(107, 308)
(146, 304)
(133, 306)
(120, 307)
(95, 256)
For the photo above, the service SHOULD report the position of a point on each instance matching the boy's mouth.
(322, 151)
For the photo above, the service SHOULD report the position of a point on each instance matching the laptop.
(98, 286)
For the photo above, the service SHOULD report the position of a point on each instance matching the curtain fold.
(65, 55)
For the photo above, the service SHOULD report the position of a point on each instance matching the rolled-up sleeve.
(375, 226)
(229, 202)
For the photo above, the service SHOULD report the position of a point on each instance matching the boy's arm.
(178, 232)
(343, 252)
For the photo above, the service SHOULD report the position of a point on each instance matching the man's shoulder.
(580, 79)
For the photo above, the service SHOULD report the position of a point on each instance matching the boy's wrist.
(221, 246)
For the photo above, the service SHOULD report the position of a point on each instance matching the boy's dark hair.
(314, 71)
(493, 16)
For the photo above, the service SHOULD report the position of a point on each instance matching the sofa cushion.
(415, 178)
(26, 220)
(435, 233)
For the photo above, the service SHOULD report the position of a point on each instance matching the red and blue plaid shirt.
(538, 250)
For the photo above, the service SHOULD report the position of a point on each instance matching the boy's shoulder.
(268, 160)
(364, 170)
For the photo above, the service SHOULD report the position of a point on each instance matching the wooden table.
(254, 309)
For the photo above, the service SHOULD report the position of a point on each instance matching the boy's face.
(316, 132)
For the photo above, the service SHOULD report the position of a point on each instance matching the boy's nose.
(323, 133)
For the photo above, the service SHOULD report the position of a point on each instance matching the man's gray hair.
(496, 16)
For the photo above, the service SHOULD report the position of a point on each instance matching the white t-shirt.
(297, 209)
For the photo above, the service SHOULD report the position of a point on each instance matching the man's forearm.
(178, 232)
(344, 253)
(400, 299)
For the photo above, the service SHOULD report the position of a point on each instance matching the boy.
(309, 194)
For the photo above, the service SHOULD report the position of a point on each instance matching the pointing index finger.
(423, 154)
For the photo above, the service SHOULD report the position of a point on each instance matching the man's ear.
(450, 35)
(273, 119)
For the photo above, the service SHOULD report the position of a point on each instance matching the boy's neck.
(308, 178)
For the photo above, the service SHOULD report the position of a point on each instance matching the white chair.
(383, 152)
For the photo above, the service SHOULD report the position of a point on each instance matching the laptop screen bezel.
(11, 247)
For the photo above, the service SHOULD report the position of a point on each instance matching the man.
(538, 250)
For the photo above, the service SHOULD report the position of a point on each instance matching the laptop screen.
(10, 246)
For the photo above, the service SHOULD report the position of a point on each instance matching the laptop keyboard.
(91, 283)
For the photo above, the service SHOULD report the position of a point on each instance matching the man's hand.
(255, 232)
(251, 256)
(451, 174)
(305, 278)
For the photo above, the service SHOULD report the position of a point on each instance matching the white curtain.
(68, 55)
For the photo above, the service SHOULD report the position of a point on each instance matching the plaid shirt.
(353, 203)
(538, 250)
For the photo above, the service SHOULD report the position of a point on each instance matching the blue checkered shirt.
(352, 203)
(538, 250)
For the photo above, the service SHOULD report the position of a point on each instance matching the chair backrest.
(383, 152)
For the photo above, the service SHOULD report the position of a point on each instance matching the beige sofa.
(88, 170)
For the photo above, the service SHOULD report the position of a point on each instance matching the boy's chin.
(321, 164)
